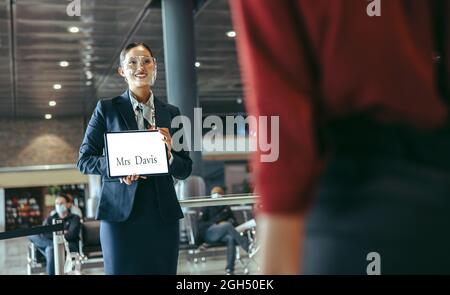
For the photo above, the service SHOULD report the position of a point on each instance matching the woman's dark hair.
(129, 47)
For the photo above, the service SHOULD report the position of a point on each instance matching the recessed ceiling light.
(231, 34)
(52, 103)
(64, 64)
(88, 47)
(239, 100)
(88, 83)
(57, 86)
(48, 116)
(74, 29)
(197, 64)
(89, 75)
(88, 64)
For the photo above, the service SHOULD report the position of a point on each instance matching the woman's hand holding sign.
(167, 139)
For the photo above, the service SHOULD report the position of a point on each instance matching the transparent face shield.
(140, 69)
(135, 61)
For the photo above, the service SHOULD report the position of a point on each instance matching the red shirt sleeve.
(278, 82)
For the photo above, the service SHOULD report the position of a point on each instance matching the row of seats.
(90, 254)
(199, 251)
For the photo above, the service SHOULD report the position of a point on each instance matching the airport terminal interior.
(58, 59)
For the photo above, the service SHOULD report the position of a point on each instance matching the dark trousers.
(385, 190)
(225, 233)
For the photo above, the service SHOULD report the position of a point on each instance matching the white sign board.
(136, 152)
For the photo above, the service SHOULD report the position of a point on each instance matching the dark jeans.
(45, 245)
(386, 190)
(225, 233)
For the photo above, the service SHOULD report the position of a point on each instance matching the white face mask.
(60, 209)
(215, 195)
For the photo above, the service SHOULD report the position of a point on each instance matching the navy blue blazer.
(116, 199)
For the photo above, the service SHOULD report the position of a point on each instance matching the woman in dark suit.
(139, 215)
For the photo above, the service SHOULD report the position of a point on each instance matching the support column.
(179, 54)
(2, 210)
(95, 186)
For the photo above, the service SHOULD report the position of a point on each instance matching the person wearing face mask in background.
(139, 229)
(216, 225)
(74, 209)
(72, 224)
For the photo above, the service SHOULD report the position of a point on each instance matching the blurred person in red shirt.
(364, 160)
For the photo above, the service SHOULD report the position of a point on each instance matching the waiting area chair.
(89, 256)
(200, 251)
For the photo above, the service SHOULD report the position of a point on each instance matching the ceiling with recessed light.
(41, 47)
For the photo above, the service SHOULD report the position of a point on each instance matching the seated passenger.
(44, 242)
(217, 225)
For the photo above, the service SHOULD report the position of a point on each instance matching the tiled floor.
(13, 256)
(13, 261)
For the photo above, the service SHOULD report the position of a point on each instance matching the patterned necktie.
(149, 114)
(143, 124)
